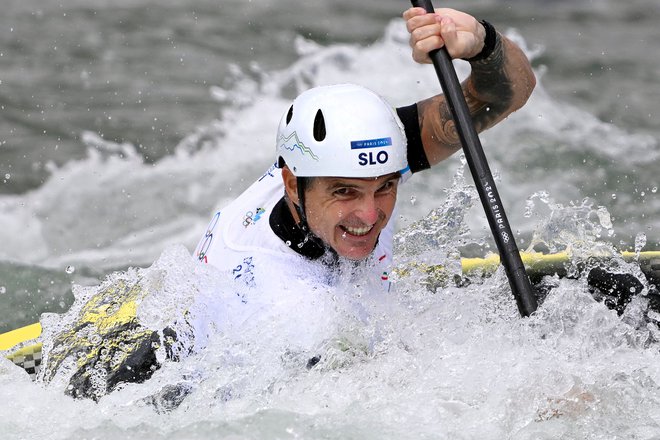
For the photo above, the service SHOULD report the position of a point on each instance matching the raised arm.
(499, 84)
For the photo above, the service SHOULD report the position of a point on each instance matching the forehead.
(357, 182)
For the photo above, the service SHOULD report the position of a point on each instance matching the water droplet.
(3, 290)
(529, 208)
(7, 176)
(543, 196)
(654, 189)
(70, 269)
(613, 196)
(413, 200)
(640, 242)
(604, 217)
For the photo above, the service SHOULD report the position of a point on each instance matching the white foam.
(455, 364)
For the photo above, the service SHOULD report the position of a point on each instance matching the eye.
(343, 192)
(387, 186)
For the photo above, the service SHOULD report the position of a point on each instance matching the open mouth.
(358, 232)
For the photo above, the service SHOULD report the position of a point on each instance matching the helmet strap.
(300, 206)
(311, 240)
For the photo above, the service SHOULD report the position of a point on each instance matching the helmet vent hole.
(319, 126)
(289, 115)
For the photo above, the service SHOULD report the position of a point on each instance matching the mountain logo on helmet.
(292, 143)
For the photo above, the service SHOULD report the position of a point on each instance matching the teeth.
(359, 231)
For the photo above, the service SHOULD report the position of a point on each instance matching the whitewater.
(452, 362)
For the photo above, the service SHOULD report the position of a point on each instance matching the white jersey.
(240, 242)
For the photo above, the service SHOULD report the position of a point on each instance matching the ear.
(290, 184)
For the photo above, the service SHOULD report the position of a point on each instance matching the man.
(341, 153)
(325, 205)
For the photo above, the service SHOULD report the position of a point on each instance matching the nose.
(368, 210)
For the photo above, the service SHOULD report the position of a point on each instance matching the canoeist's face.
(348, 214)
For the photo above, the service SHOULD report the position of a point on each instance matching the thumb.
(450, 36)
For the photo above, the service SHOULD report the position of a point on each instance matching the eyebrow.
(348, 184)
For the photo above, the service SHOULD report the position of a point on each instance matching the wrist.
(490, 41)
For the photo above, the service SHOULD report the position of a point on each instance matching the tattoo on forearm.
(497, 86)
(436, 118)
(489, 90)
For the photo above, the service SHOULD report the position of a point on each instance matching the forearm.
(497, 86)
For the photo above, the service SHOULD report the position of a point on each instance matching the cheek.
(324, 217)
(387, 205)
(334, 211)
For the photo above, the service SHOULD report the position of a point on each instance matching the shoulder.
(409, 116)
(241, 228)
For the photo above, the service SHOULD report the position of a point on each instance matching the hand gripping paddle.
(483, 178)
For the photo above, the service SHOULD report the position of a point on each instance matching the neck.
(285, 223)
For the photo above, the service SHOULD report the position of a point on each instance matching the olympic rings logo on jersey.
(250, 218)
(205, 244)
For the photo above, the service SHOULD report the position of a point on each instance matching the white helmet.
(341, 131)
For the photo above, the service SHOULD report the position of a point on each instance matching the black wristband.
(489, 42)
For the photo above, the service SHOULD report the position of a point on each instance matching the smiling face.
(348, 214)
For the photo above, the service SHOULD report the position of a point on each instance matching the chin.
(359, 249)
(356, 254)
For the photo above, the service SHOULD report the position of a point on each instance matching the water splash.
(640, 242)
(577, 228)
(455, 364)
(436, 239)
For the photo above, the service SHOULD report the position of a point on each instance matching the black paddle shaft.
(483, 178)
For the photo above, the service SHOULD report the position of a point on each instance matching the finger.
(447, 25)
(420, 20)
(422, 48)
(423, 32)
(449, 35)
(421, 57)
(426, 60)
(413, 12)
